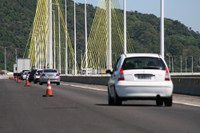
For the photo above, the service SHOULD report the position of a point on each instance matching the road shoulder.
(177, 98)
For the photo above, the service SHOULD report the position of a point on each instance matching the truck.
(15, 68)
(22, 64)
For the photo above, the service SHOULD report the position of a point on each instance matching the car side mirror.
(109, 72)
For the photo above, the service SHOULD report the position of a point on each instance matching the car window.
(39, 72)
(33, 71)
(143, 63)
(116, 66)
(50, 71)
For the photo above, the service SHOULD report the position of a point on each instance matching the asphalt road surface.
(84, 109)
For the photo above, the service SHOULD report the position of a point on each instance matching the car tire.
(35, 82)
(168, 102)
(41, 83)
(58, 83)
(159, 102)
(110, 99)
(117, 100)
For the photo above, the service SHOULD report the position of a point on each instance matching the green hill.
(143, 30)
(16, 20)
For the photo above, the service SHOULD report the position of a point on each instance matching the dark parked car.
(37, 76)
(31, 76)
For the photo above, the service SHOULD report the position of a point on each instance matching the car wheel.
(159, 102)
(168, 102)
(110, 99)
(58, 83)
(117, 100)
(35, 82)
(41, 83)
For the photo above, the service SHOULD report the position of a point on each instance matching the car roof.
(25, 70)
(141, 55)
(49, 69)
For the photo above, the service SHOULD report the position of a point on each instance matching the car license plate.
(144, 76)
(50, 75)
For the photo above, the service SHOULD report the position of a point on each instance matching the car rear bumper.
(36, 79)
(24, 77)
(144, 90)
(51, 80)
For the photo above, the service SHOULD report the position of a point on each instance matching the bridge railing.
(183, 64)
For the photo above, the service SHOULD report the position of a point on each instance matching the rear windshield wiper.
(152, 67)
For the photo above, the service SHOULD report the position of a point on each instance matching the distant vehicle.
(15, 68)
(140, 77)
(37, 76)
(51, 74)
(24, 74)
(31, 76)
(22, 64)
(89, 71)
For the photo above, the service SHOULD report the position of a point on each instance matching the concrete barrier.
(98, 80)
(182, 85)
(187, 85)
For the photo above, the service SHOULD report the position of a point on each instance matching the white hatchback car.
(140, 77)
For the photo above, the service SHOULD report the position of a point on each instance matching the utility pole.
(49, 57)
(162, 46)
(66, 44)
(109, 47)
(125, 28)
(36, 63)
(54, 40)
(74, 37)
(5, 62)
(16, 54)
(59, 45)
(86, 39)
(181, 60)
(186, 64)
(192, 63)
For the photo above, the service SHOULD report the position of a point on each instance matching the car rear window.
(50, 71)
(143, 63)
(33, 71)
(39, 72)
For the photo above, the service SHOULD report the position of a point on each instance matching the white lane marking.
(86, 87)
(96, 89)
(89, 88)
(188, 104)
(3, 77)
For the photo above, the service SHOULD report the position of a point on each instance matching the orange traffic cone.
(27, 82)
(49, 90)
(11, 77)
(18, 80)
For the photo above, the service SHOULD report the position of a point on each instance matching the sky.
(185, 11)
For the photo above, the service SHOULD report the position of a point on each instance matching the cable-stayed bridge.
(54, 43)
(50, 43)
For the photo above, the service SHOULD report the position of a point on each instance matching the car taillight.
(57, 74)
(167, 75)
(121, 74)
